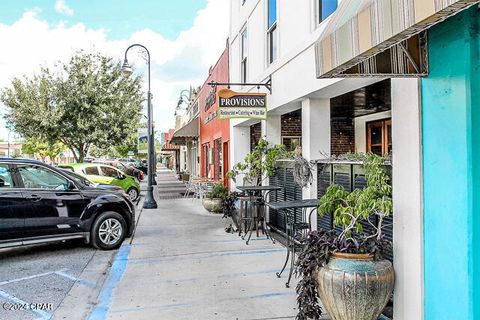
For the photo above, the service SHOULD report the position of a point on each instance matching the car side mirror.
(71, 186)
(121, 176)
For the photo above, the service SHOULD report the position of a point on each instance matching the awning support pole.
(409, 57)
(267, 85)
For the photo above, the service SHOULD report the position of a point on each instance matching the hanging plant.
(302, 170)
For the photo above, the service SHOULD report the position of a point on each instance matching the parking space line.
(61, 272)
(29, 277)
(80, 281)
(43, 315)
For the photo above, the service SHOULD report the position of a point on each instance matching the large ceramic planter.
(213, 205)
(354, 286)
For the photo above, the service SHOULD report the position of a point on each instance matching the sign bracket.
(267, 85)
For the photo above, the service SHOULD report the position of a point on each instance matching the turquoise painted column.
(475, 89)
(451, 160)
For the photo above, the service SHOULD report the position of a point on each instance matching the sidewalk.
(182, 265)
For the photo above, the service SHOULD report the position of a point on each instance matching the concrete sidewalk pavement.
(183, 265)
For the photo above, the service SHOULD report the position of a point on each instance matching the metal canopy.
(406, 59)
(381, 37)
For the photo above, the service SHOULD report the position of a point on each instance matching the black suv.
(40, 203)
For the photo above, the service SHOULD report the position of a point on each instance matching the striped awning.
(380, 37)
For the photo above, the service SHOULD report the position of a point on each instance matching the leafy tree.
(35, 146)
(81, 103)
(129, 144)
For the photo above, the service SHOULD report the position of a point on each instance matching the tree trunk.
(74, 153)
(81, 153)
(86, 148)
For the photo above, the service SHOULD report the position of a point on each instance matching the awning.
(190, 130)
(380, 37)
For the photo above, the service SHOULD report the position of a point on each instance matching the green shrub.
(219, 191)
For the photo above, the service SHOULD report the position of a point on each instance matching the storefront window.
(291, 143)
(379, 136)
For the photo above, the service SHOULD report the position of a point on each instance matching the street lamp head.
(126, 69)
(180, 101)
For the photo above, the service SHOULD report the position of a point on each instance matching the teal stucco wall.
(451, 165)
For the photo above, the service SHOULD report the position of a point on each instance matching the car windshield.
(121, 166)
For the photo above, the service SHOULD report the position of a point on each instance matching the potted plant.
(184, 176)
(345, 268)
(213, 201)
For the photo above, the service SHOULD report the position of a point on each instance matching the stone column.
(272, 129)
(240, 147)
(315, 138)
(407, 199)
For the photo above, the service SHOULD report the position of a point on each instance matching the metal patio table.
(293, 226)
(251, 191)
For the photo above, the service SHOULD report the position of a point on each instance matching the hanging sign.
(241, 105)
(142, 140)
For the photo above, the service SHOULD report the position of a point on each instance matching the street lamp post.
(150, 202)
(154, 182)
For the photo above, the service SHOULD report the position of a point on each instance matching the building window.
(379, 137)
(325, 8)
(291, 143)
(244, 56)
(272, 31)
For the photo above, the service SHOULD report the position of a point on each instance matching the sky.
(184, 37)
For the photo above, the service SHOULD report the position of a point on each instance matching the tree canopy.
(34, 146)
(81, 103)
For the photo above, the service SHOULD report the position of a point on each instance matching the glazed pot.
(214, 205)
(354, 286)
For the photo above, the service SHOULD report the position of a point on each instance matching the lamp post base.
(149, 202)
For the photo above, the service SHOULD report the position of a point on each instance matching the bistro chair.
(189, 187)
(296, 230)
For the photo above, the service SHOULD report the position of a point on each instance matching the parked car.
(85, 181)
(102, 173)
(40, 203)
(136, 164)
(128, 169)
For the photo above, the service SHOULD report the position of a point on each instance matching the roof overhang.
(381, 38)
(190, 130)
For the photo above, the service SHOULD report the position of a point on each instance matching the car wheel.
(108, 231)
(133, 193)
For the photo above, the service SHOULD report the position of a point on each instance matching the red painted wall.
(211, 128)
